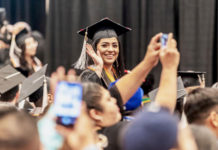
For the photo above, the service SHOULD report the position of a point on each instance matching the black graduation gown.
(89, 75)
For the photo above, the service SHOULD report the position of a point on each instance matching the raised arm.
(169, 57)
(128, 84)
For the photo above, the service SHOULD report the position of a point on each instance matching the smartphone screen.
(164, 39)
(68, 99)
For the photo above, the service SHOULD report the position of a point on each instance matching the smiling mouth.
(110, 56)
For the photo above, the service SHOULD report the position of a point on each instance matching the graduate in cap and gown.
(23, 51)
(109, 66)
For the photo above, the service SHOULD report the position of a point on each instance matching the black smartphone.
(67, 103)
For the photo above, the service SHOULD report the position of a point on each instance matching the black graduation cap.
(180, 90)
(9, 78)
(32, 83)
(191, 78)
(104, 24)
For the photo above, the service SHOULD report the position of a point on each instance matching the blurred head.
(17, 131)
(10, 95)
(151, 130)
(101, 106)
(30, 46)
(202, 107)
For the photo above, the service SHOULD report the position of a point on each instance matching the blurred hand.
(82, 134)
(3, 45)
(186, 140)
(96, 58)
(170, 56)
(19, 26)
(152, 54)
(59, 75)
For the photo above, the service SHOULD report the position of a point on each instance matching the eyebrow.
(109, 42)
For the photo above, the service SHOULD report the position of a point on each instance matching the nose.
(110, 48)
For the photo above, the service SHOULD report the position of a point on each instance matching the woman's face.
(110, 113)
(109, 50)
(31, 46)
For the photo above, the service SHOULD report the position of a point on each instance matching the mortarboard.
(191, 78)
(32, 83)
(104, 24)
(180, 90)
(9, 78)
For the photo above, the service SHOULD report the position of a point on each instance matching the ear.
(214, 119)
(96, 115)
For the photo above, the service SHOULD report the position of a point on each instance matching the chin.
(109, 62)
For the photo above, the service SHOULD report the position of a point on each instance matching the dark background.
(193, 22)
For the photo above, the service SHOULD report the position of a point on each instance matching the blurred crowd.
(101, 105)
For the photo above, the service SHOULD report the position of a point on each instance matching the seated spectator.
(201, 108)
(18, 130)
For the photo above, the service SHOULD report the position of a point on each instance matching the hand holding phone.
(68, 99)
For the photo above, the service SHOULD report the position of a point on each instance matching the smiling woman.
(105, 52)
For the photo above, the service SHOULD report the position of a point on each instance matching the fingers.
(90, 51)
(61, 73)
(171, 42)
(157, 46)
(65, 132)
(53, 82)
(89, 48)
(156, 38)
(98, 53)
(71, 76)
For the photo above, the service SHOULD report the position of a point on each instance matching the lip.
(109, 56)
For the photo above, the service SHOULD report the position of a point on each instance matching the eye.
(115, 45)
(104, 45)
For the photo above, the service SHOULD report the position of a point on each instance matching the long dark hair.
(118, 64)
(25, 69)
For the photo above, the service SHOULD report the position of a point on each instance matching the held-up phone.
(68, 100)
(163, 40)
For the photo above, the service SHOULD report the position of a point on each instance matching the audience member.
(202, 107)
(18, 130)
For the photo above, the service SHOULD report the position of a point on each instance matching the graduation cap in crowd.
(9, 78)
(33, 83)
(105, 28)
(192, 78)
(180, 90)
